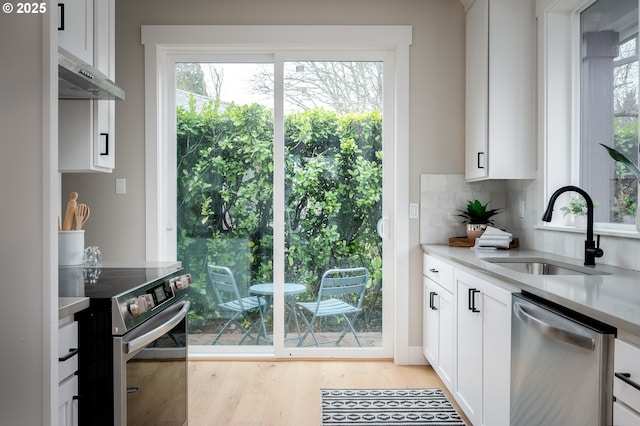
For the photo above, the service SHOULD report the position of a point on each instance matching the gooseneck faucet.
(591, 250)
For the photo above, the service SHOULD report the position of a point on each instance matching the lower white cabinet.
(438, 329)
(67, 403)
(467, 338)
(626, 384)
(67, 367)
(483, 349)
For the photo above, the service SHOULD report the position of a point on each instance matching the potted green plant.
(477, 216)
(576, 211)
(620, 157)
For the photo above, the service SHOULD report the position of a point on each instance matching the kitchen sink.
(540, 266)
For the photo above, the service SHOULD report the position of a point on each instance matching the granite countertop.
(612, 297)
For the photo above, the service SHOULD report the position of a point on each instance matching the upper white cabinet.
(500, 90)
(87, 127)
(75, 28)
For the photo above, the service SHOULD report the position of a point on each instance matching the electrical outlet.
(121, 186)
(521, 209)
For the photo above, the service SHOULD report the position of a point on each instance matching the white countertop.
(613, 298)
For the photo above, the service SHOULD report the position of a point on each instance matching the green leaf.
(619, 157)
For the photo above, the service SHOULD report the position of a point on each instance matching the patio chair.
(228, 297)
(341, 294)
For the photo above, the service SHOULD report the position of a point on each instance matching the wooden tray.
(470, 242)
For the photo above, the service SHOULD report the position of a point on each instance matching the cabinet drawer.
(623, 416)
(67, 347)
(439, 271)
(627, 362)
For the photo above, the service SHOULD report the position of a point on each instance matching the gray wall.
(117, 222)
(28, 236)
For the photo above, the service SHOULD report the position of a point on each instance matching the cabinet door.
(104, 37)
(104, 155)
(75, 28)
(477, 81)
(625, 416)
(496, 355)
(446, 337)
(67, 404)
(431, 320)
(468, 381)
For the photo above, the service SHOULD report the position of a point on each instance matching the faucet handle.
(598, 252)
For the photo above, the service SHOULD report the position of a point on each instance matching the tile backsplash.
(442, 194)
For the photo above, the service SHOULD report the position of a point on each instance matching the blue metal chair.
(341, 294)
(228, 297)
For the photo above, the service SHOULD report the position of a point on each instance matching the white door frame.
(161, 42)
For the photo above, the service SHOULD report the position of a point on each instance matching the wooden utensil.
(70, 213)
(81, 215)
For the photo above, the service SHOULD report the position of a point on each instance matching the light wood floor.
(285, 393)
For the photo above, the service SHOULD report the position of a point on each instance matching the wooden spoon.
(71, 208)
(81, 215)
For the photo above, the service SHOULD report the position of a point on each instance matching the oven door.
(150, 370)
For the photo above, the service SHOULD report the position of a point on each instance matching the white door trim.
(160, 41)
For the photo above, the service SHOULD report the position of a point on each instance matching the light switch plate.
(414, 211)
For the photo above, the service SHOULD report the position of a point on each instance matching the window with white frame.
(609, 106)
(589, 97)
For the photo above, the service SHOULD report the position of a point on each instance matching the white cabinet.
(438, 343)
(87, 127)
(67, 367)
(75, 28)
(483, 349)
(626, 384)
(500, 90)
(467, 338)
(85, 134)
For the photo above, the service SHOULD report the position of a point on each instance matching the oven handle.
(157, 331)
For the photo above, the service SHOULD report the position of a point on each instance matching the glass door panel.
(333, 201)
(225, 200)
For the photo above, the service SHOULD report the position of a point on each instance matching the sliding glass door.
(333, 201)
(279, 174)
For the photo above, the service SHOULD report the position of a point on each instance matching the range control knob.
(141, 304)
(182, 282)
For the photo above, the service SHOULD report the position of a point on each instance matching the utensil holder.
(70, 247)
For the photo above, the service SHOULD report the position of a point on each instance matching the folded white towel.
(491, 231)
(494, 238)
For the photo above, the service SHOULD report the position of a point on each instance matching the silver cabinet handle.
(553, 330)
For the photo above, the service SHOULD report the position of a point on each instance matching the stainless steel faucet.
(591, 250)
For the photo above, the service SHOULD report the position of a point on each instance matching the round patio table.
(267, 290)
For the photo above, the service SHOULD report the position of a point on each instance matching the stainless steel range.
(132, 345)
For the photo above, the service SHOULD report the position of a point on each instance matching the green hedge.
(333, 183)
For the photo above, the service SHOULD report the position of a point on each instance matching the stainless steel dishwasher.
(561, 366)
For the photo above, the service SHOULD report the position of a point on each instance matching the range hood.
(79, 80)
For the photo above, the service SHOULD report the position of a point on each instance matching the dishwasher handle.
(553, 330)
